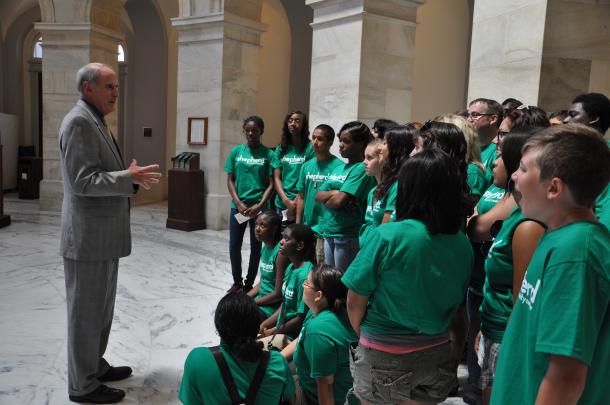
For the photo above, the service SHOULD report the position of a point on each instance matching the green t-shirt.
(602, 207)
(292, 293)
(313, 174)
(323, 350)
(488, 156)
(415, 280)
(376, 209)
(346, 221)
(477, 182)
(203, 382)
(252, 169)
(498, 289)
(267, 270)
(487, 201)
(290, 164)
(490, 198)
(563, 309)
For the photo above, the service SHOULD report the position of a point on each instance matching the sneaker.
(236, 287)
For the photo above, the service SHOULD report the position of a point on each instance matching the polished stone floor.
(167, 291)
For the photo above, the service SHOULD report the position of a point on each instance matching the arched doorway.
(143, 116)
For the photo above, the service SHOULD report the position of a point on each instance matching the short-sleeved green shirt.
(290, 164)
(602, 207)
(267, 270)
(345, 222)
(292, 293)
(563, 309)
(477, 182)
(252, 168)
(323, 350)
(490, 198)
(488, 156)
(498, 289)
(415, 280)
(376, 209)
(313, 174)
(202, 381)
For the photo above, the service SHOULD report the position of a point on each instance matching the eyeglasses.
(475, 115)
(306, 284)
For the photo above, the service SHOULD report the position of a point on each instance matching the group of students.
(484, 231)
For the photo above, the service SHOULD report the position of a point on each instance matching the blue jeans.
(236, 238)
(340, 252)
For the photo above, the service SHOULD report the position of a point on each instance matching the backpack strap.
(226, 375)
(258, 377)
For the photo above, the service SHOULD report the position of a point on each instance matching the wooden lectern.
(5, 220)
(185, 200)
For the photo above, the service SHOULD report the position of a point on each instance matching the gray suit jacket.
(97, 186)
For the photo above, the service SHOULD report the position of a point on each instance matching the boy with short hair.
(313, 173)
(557, 344)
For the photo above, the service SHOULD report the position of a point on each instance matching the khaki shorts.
(384, 378)
(320, 251)
(488, 361)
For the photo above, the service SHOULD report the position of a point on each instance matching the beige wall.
(441, 58)
(274, 71)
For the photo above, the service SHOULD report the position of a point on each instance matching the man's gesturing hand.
(144, 175)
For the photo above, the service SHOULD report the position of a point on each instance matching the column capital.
(334, 11)
(77, 32)
(218, 26)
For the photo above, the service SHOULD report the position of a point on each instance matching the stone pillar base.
(51, 195)
(217, 211)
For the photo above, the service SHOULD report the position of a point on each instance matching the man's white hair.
(89, 73)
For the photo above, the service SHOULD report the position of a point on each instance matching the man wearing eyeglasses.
(486, 116)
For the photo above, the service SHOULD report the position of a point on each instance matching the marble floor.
(167, 291)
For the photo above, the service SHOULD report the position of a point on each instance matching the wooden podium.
(5, 220)
(185, 201)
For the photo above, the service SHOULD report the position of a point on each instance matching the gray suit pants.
(90, 294)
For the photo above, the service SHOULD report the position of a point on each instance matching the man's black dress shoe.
(115, 374)
(101, 395)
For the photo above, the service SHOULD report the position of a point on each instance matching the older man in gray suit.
(95, 231)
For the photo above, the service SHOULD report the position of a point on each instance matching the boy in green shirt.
(557, 344)
(593, 110)
(313, 174)
(344, 197)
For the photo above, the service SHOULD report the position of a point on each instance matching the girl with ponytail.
(236, 321)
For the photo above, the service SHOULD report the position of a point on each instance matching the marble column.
(507, 49)
(362, 60)
(561, 79)
(66, 48)
(5, 220)
(218, 59)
